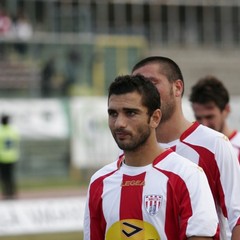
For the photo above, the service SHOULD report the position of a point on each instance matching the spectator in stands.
(23, 31)
(47, 74)
(210, 103)
(73, 60)
(5, 23)
(5, 29)
(9, 155)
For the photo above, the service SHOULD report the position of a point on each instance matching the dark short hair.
(5, 119)
(127, 84)
(168, 67)
(210, 89)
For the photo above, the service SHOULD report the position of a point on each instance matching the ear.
(227, 110)
(178, 88)
(156, 118)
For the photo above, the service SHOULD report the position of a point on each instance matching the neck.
(144, 155)
(227, 131)
(173, 128)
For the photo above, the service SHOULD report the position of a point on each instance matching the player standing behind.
(210, 104)
(149, 193)
(210, 149)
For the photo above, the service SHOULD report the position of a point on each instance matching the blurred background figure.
(47, 74)
(5, 22)
(210, 104)
(9, 155)
(22, 28)
(5, 29)
(73, 60)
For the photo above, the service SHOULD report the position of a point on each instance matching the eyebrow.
(125, 109)
(204, 116)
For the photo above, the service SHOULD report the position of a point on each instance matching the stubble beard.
(168, 107)
(135, 143)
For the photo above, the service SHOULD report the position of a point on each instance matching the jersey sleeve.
(204, 219)
(229, 181)
(94, 222)
(197, 211)
(86, 223)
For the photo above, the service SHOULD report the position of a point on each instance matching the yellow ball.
(132, 229)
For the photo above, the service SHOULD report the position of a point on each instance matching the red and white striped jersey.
(213, 152)
(235, 141)
(169, 199)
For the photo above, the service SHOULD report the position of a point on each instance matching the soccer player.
(150, 192)
(208, 148)
(210, 104)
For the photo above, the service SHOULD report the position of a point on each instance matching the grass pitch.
(52, 236)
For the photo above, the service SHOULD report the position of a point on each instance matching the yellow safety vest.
(9, 144)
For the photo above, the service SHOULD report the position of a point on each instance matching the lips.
(121, 134)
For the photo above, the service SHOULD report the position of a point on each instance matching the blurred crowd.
(18, 26)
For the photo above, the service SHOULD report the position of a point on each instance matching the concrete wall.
(196, 63)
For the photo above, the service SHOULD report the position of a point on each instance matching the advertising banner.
(92, 143)
(41, 215)
(37, 118)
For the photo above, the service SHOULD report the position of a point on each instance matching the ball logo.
(132, 229)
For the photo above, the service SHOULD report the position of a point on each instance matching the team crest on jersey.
(152, 203)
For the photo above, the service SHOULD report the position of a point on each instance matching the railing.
(64, 64)
(172, 22)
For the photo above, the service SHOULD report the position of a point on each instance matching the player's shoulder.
(208, 132)
(206, 136)
(105, 171)
(175, 163)
(235, 140)
(236, 136)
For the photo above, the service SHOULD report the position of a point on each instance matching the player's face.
(165, 88)
(128, 121)
(210, 115)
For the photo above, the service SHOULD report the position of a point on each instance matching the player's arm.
(92, 221)
(229, 183)
(236, 233)
(203, 223)
(86, 222)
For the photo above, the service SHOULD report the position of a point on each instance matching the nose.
(120, 121)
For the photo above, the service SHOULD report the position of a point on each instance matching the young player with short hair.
(150, 192)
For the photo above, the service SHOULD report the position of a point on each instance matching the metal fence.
(172, 22)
